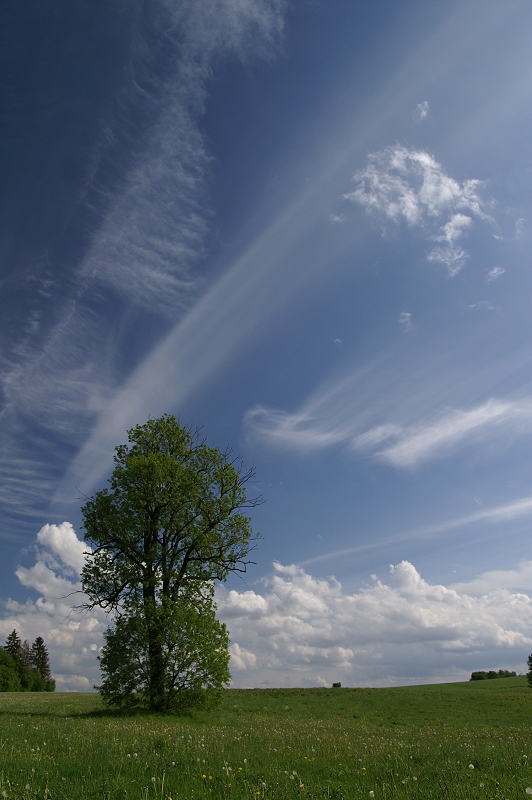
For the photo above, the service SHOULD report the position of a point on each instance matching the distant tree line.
(482, 675)
(25, 668)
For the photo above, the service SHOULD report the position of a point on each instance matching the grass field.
(462, 740)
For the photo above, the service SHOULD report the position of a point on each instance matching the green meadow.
(461, 740)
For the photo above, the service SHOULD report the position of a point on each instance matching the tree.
(9, 679)
(170, 523)
(40, 660)
(13, 646)
(529, 673)
(29, 676)
(25, 654)
(194, 649)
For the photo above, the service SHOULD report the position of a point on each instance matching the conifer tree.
(40, 660)
(29, 663)
(13, 646)
(25, 654)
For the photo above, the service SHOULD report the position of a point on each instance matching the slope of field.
(450, 741)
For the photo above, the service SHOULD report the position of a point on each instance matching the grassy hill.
(450, 740)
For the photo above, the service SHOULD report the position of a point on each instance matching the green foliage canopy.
(169, 524)
(194, 647)
(483, 675)
(24, 668)
(9, 678)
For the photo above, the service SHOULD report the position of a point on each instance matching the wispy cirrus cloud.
(493, 515)
(494, 273)
(481, 305)
(155, 229)
(405, 321)
(138, 266)
(400, 445)
(422, 111)
(410, 186)
(428, 440)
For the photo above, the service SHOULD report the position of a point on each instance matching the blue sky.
(306, 227)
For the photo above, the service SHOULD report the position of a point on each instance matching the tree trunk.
(155, 654)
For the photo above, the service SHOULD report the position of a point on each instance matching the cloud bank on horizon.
(298, 630)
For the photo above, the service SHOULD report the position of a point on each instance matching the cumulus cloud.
(410, 186)
(62, 540)
(519, 579)
(310, 631)
(73, 639)
(300, 630)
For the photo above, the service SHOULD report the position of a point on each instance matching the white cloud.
(429, 440)
(422, 111)
(408, 444)
(405, 321)
(410, 186)
(508, 511)
(299, 630)
(374, 437)
(73, 639)
(298, 431)
(519, 579)
(242, 659)
(311, 632)
(62, 540)
(143, 252)
(155, 229)
(494, 273)
(481, 305)
(453, 258)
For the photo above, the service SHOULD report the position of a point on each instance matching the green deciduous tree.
(9, 678)
(169, 524)
(194, 650)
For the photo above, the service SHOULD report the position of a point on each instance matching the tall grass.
(451, 741)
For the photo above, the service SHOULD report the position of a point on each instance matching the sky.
(305, 226)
